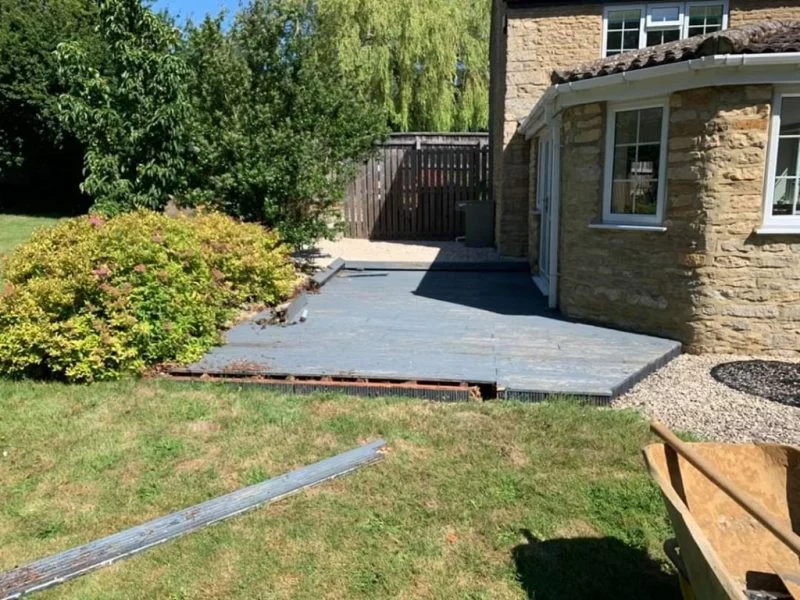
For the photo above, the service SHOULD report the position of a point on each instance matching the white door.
(543, 202)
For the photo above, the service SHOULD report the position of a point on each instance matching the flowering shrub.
(93, 299)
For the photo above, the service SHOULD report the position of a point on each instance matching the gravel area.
(685, 396)
(416, 252)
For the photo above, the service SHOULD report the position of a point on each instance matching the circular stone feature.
(770, 379)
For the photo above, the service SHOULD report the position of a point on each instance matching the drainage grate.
(533, 397)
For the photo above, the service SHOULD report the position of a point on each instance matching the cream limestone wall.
(524, 52)
(749, 11)
(709, 280)
(537, 41)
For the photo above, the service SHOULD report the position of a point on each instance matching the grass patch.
(15, 229)
(473, 500)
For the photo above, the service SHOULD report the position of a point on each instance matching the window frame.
(696, 3)
(609, 217)
(645, 8)
(642, 8)
(769, 220)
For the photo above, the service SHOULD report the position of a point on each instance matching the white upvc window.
(782, 205)
(636, 163)
(635, 26)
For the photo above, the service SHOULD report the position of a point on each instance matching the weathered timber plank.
(58, 568)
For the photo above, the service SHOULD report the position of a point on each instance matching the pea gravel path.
(684, 396)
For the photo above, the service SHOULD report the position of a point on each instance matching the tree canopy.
(105, 103)
(40, 162)
(278, 125)
(425, 62)
(132, 115)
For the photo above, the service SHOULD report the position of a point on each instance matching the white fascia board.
(723, 69)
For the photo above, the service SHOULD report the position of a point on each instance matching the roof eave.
(720, 61)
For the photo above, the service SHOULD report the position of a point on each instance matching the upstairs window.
(705, 18)
(783, 184)
(639, 26)
(623, 30)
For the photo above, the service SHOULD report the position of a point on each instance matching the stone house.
(654, 187)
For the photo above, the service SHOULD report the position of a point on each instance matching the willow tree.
(425, 62)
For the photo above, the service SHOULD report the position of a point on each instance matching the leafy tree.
(424, 61)
(40, 163)
(133, 115)
(278, 125)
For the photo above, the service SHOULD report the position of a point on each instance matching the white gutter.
(697, 65)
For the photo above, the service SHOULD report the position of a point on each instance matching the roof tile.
(755, 38)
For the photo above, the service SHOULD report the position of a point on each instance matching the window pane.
(671, 35)
(631, 40)
(626, 126)
(634, 197)
(790, 116)
(705, 19)
(697, 21)
(784, 196)
(614, 41)
(624, 157)
(645, 197)
(667, 14)
(627, 19)
(787, 157)
(649, 160)
(654, 38)
(662, 36)
(621, 198)
(650, 125)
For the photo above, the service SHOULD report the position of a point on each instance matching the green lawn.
(473, 500)
(15, 229)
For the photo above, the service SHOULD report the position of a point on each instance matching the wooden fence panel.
(416, 187)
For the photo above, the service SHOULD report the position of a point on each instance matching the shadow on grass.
(595, 568)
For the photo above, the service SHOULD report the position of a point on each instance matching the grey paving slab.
(446, 326)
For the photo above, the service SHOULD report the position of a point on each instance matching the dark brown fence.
(416, 188)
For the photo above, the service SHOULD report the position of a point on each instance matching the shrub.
(91, 299)
(255, 264)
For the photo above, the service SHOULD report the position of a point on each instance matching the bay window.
(635, 169)
(642, 25)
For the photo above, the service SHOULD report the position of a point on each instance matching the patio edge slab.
(500, 266)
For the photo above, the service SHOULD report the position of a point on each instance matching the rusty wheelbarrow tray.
(735, 510)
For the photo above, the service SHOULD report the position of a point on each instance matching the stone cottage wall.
(707, 281)
(535, 42)
(748, 11)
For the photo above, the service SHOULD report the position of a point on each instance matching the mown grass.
(15, 229)
(473, 500)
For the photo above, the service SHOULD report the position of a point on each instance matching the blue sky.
(196, 9)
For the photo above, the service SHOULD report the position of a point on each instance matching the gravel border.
(684, 396)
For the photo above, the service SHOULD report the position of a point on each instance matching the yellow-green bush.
(255, 265)
(92, 299)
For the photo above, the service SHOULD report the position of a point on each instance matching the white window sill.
(628, 227)
(778, 230)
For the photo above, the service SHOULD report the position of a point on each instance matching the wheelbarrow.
(735, 511)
